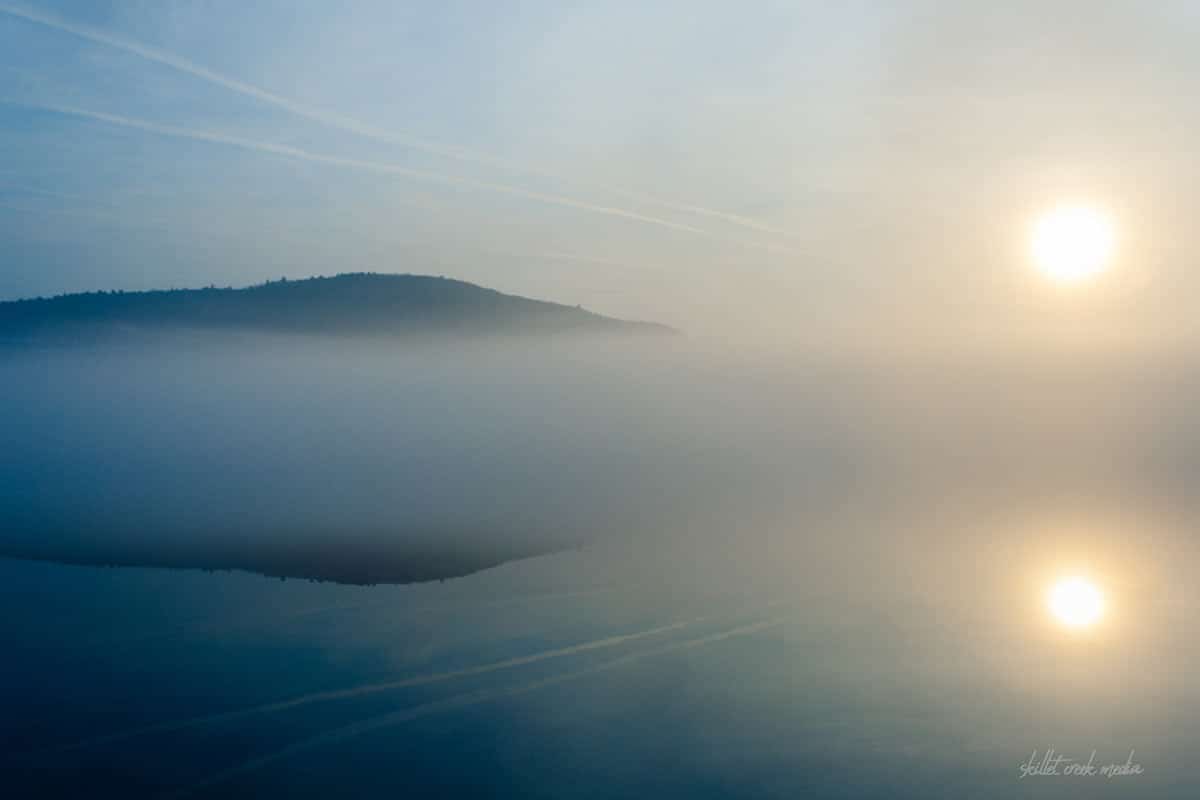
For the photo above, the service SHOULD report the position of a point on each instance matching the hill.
(360, 304)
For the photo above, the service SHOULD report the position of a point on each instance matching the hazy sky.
(810, 172)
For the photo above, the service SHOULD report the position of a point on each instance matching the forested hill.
(362, 304)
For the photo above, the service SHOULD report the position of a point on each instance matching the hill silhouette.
(358, 304)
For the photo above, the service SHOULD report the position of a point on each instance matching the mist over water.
(420, 491)
(709, 574)
(361, 461)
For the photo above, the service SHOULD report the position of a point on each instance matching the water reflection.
(809, 591)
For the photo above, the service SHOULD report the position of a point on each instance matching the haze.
(900, 504)
(860, 174)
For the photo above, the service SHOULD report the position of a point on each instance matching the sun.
(1073, 243)
(1076, 602)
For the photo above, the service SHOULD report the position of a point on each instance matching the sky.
(831, 175)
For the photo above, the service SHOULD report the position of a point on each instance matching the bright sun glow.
(1076, 602)
(1072, 243)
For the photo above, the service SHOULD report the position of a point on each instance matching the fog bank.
(370, 462)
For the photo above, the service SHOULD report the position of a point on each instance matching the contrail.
(99, 216)
(43, 192)
(548, 255)
(365, 689)
(493, 604)
(461, 701)
(287, 151)
(135, 222)
(342, 122)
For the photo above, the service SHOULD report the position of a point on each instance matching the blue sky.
(815, 171)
